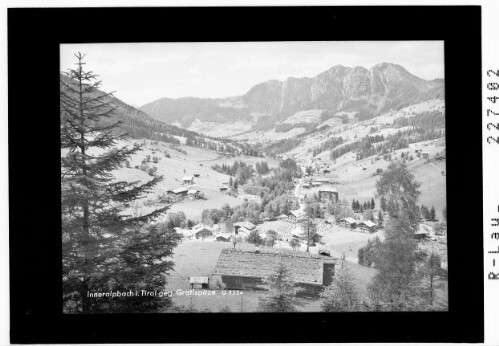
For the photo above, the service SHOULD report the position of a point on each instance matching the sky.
(140, 73)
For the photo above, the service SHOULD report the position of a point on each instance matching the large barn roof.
(303, 268)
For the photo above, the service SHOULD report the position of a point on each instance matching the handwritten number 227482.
(493, 99)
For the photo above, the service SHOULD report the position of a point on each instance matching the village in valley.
(227, 252)
(307, 208)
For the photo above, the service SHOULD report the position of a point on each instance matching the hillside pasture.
(307, 116)
(268, 136)
(226, 129)
(173, 169)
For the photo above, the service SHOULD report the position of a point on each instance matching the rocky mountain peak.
(367, 92)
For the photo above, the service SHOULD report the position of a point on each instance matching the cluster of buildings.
(297, 216)
(316, 182)
(221, 232)
(181, 192)
(199, 231)
(324, 191)
(187, 190)
(351, 223)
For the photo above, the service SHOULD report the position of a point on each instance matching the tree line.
(330, 144)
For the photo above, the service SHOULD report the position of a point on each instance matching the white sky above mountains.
(144, 72)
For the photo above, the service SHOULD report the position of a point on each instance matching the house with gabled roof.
(246, 269)
(179, 191)
(328, 193)
(368, 226)
(202, 231)
(193, 193)
(296, 215)
(245, 224)
(349, 222)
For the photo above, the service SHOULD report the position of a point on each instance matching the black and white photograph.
(242, 177)
(202, 173)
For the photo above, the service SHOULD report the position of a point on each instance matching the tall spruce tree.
(342, 294)
(380, 219)
(396, 286)
(104, 248)
(309, 224)
(433, 214)
(282, 292)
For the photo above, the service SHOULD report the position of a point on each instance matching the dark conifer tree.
(433, 214)
(104, 248)
(383, 203)
(282, 292)
(396, 286)
(380, 219)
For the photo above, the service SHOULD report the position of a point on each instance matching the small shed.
(223, 237)
(423, 232)
(199, 281)
(193, 193)
(420, 235)
(188, 180)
